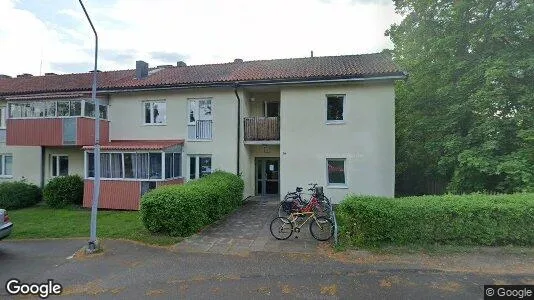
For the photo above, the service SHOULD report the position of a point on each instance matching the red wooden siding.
(85, 131)
(171, 181)
(114, 194)
(34, 132)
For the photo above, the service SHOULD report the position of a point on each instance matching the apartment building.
(279, 123)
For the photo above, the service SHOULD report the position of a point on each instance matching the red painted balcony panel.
(85, 131)
(49, 132)
(114, 194)
(34, 132)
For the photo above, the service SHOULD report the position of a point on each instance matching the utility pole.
(93, 246)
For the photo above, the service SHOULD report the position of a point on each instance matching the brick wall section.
(34, 132)
(114, 194)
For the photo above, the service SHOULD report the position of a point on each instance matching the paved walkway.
(247, 230)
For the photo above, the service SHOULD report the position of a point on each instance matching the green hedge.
(18, 194)
(63, 191)
(450, 219)
(181, 210)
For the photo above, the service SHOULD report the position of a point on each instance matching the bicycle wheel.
(321, 228)
(281, 228)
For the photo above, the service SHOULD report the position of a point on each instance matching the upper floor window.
(335, 108)
(6, 165)
(3, 117)
(60, 165)
(69, 108)
(199, 110)
(155, 112)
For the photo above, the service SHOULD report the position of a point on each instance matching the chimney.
(312, 53)
(141, 69)
(238, 60)
(48, 74)
(24, 75)
(4, 76)
(181, 64)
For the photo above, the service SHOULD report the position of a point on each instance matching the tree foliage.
(465, 115)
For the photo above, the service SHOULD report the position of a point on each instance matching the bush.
(63, 191)
(18, 194)
(450, 219)
(181, 210)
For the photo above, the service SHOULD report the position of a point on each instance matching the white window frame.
(3, 169)
(197, 164)
(197, 109)
(152, 121)
(337, 185)
(3, 117)
(334, 122)
(57, 164)
(124, 178)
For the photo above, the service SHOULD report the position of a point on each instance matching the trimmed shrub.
(181, 210)
(63, 191)
(18, 194)
(450, 219)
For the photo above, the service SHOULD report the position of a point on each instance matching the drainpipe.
(236, 85)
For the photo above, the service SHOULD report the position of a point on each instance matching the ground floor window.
(336, 171)
(6, 165)
(199, 166)
(59, 165)
(136, 165)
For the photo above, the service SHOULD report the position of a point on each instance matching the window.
(173, 167)
(69, 108)
(336, 171)
(200, 119)
(89, 109)
(155, 112)
(199, 166)
(60, 165)
(2, 118)
(6, 165)
(334, 108)
(103, 112)
(135, 165)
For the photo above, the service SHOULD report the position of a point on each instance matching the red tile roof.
(292, 69)
(137, 145)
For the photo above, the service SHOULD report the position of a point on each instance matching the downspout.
(43, 166)
(236, 85)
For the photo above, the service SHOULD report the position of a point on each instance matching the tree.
(465, 115)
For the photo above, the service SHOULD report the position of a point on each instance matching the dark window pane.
(103, 112)
(105, 165)
(169, 165)
(54, 165)
(63, 108)
(129, 165)
(192, 167)
(89, 109)
(63, 165)
(90, 165)
(336, 171)
(335, 108)
(177, 165)
(205, 166)
(116, 165)
(76, 108)
(155, 165)
(142, 165)
(9, 165)
(147, 113)
(273, 109)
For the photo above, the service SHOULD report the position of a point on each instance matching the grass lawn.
(43, 222)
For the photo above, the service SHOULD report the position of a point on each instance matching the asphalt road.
(131, 270)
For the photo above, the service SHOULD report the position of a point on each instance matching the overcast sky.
(38, 36)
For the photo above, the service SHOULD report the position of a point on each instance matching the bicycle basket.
(319, 190)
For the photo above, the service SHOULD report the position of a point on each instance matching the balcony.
(64, 131)
(200, 130)
(262, 130)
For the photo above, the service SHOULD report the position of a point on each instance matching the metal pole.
(96, 190)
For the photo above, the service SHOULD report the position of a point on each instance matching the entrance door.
(267, 176)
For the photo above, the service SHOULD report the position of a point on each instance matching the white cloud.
(207, 31)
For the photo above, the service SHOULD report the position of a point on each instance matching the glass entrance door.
(267, 176)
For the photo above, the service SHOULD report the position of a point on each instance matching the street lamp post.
(96, 185)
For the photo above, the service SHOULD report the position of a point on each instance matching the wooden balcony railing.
(262, 129)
